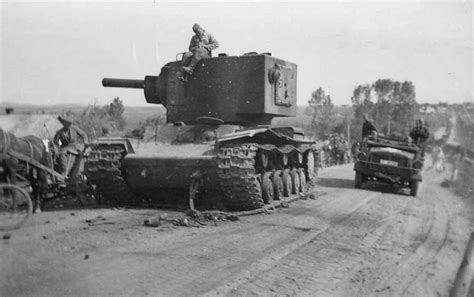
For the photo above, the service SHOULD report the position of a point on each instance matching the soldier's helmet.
(196, 27)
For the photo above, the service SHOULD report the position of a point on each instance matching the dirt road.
(368, 242)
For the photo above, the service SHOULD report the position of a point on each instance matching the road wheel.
(302, 179)
(358, 180)
(267, 188)
(287, 183)
(414, 188)
(277, 185)
(310, 165)
(295, 179)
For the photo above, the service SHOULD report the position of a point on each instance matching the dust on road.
(366, 242)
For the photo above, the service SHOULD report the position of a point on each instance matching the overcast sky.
(58, 52)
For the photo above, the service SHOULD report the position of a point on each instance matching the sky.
(58, 51)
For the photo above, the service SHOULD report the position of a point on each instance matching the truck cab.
(390, 160)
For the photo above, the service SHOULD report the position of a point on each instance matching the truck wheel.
(365, 178)
(414, 188)
(358, 180)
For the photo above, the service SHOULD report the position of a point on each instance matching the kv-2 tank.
(218, 137)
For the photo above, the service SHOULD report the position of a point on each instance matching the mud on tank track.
(103, 170)
(247, 187)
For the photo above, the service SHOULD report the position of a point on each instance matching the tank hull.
(218, 135)
(154, 173)
(246, 168)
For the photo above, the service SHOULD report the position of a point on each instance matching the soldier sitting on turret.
(200, 47)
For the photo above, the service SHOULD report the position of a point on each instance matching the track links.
(239, 180)
(103, 169)
(236, 170)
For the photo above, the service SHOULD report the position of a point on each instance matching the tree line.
(98, 120)
(109, 120)
(391, 104)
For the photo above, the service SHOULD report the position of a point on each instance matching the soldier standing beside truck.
(419, 134)
(200, 47)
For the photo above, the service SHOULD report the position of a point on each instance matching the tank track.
(236, 170)
(238, 175)
(103, 170)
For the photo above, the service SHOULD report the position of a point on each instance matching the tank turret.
(243, 90)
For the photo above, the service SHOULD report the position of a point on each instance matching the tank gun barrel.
(152, 88)
(124, 83)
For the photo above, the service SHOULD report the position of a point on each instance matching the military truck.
(390, 160)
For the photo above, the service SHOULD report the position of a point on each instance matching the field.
(30, 119)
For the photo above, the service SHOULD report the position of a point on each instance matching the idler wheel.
(277, 185)
(267, 188)
(302, 179)
(295, 179)
(287, 183)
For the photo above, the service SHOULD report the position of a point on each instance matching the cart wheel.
(15, 210)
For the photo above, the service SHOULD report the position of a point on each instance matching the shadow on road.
(336, 183)
(385, 188)
(370, 186)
